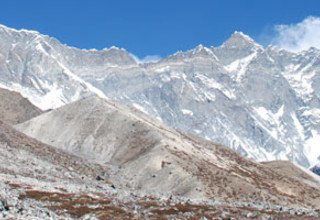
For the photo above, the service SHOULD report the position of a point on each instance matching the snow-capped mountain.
(262, 102)
(32, 64)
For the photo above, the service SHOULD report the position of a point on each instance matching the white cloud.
(151, 59)
(299, 36)
(147, 59)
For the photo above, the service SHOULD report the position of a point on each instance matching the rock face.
(316, 169)
(261, 102)
(15, 109)
(240, 95)
(154, 158)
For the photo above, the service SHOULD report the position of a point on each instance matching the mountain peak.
(114, 48)
(205, 51)
(240, 34)
(239, 39)
(200, 48)
(8, 29)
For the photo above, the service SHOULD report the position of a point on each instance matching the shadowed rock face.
(16, 109)
(152, 157)
(316, 169)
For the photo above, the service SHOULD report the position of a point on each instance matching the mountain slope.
(154, 158)
(40, 182)
(16, 109)
(289, 169)
(30, 65)
(29, 165)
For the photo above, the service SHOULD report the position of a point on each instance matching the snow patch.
(200, 47)
(268, 115)
(240, 66)
(271, 121)
(312, 150)
(197, 131)
(81, 81)
(54, 98)
(139, 107)
(314, 114)
(163, 69)
(298, 125)
(300, 79)
(187, 112)
(212, 84)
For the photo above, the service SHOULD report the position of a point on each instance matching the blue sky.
(153, 27)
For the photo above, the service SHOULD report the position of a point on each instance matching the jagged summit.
(238, 47)
(311, 52)
(239, 40)
(40, 35)
(200, 49)
(241, 35)
(34, 39)
(8, 29)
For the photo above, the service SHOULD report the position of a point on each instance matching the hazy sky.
(161, 27)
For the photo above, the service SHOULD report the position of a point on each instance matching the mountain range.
(262, 102)
(88, 134)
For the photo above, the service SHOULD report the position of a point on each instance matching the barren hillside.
(154, 158)
(16, 109)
